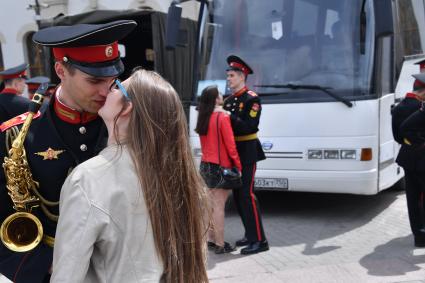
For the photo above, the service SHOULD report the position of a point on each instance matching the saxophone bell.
(21, 232)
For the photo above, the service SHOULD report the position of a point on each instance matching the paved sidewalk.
(326, 238)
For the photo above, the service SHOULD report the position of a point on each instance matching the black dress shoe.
(419, 242)
(255, 247)
(242, 242)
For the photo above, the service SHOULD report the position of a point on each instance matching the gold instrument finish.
(22, 231)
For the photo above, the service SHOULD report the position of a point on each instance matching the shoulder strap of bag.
(218, 139)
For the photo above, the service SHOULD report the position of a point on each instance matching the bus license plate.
(279, 183)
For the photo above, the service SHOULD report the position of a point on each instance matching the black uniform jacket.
(68, 145)
(12, 105)
(409, 156)
(245, 109)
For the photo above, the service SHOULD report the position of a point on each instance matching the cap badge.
(49, 154)
(109, 51)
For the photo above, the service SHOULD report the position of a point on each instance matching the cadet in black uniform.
(34, 83)
(65, 132)
(12, 102)
(245, 110)
(411, 156)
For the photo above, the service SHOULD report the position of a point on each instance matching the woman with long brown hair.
(136, 212)
(218, 149)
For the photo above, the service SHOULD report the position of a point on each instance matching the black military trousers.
(247, 205)
(25, 267)
(415, 188)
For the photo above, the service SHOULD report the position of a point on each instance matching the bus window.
(282, 47)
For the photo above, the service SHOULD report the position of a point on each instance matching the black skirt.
(210, 172)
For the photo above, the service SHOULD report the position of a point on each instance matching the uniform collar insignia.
(49, 154)
(412, 95)
(9, 91)
(241, 91)
(70, 115)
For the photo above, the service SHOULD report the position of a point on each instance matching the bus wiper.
(317, 87)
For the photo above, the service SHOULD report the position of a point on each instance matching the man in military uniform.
(410, 156)
(34, 83)
(12, 102)
(245, 109)
(65, 132)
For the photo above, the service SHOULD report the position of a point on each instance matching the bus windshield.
(300, 42)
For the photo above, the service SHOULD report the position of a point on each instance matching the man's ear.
(60, 70)
(15, 83)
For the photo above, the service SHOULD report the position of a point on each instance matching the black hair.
(205, 108)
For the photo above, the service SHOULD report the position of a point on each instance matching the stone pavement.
(325, 238)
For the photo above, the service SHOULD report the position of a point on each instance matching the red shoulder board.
(250, 92)
(20, 119)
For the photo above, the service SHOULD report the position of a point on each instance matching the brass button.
(82, 130)
(83, 147)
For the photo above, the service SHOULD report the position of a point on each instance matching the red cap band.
(88, 54)
(14, 76)
(239, 66)
(33, 86)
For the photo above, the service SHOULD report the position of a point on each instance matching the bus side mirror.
(173, 25)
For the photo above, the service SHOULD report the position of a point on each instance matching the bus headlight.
(331, 154)
(348, 154)
(315, 154)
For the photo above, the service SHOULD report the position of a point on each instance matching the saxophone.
(22, 231)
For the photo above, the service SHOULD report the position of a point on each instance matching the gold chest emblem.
(49, 154)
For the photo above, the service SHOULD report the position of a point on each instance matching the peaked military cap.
(237, 64)
(15, 72)
(421, 63)
(35, 82)
(91, 48)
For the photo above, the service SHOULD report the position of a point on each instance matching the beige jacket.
(104, 233)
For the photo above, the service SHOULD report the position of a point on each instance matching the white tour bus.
(328, 73)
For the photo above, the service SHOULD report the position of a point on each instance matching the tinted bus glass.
(309, 42)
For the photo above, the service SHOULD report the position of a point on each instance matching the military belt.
(50, 241)
(249, 137)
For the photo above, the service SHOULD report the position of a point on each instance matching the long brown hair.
(205, 108)
(173, 190)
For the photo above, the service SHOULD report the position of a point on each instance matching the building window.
(35, 56)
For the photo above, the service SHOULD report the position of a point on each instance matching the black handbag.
(230, 178)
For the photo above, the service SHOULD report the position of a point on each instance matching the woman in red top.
(216, 134)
